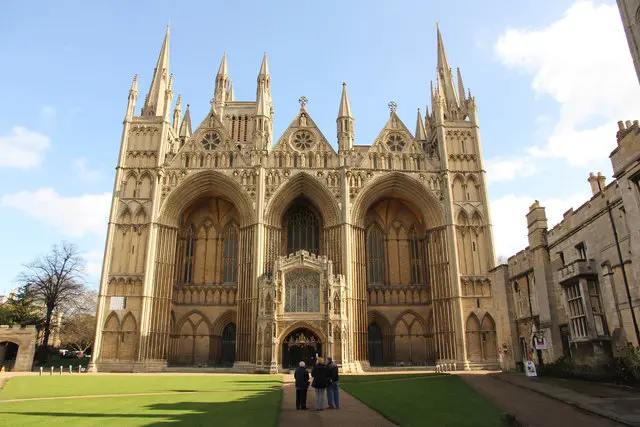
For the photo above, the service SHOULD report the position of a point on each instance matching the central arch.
(300, 345)
(302, 185)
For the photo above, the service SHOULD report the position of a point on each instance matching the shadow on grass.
(260, 408)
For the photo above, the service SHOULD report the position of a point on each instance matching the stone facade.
(225, 248)
(576, 287)
(630, 13)
(22, 337)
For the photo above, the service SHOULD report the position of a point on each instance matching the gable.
(303, 135)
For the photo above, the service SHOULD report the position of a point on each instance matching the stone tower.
(229, 246)
(630, 13)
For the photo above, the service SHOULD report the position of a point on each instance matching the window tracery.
(416, 263)
(376, 259)
(395, 142)
(302, 228)
(230, 255)
(302, 291)
(210, 141)
(303, 140)
(189, 249)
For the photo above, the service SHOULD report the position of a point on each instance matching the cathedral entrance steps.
(417, 369)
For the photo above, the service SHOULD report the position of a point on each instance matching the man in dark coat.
(320, 381)
(302, 384)
(333, 396)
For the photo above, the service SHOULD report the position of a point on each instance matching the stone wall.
(25, 338)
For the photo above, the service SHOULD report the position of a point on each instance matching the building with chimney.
(229, 246)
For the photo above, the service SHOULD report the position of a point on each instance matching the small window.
(561, 256)
(375, 163)
(462, 145)
(582, 251)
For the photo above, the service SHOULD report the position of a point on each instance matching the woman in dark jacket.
(302, 384)
(320, 382)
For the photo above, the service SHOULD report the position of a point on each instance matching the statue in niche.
(303, 120)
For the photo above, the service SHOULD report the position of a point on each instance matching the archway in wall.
(8, 354)
(228, 345)
(375, 348)
(301, 345)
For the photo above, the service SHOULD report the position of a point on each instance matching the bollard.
(70, 369)
(51, 371)
(60, 369)
(79, 369)
(455, 368)
(40, 370)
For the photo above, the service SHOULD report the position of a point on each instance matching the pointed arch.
(488, 324)
(416, 318)
(303, 184)
(140, 216)
(145, 185)
(125, 216)
(230, 253)
(129, 323)
(457, 188)
(472, 188)
(474, 338)
(130, 186)
(200, 316)
(221, 321)
(376, 257)
(463, 218)
(112, 323)
(476, 219)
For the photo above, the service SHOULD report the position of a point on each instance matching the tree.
(56, 281)
(23, 310)
(77, 332)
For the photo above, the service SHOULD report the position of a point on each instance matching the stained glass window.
(189, 248)
(303, 230)
(416, 264)
(375, 249)
(302, 291)
(230, 255)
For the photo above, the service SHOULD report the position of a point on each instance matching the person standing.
(319, 374)
(333, 390)
(302, 384)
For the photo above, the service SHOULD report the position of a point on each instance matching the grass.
(188, 400)
(419, 400)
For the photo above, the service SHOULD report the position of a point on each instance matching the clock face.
(302, 140)
(210, 141)
(395, 142)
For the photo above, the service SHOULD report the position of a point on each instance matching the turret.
(421, 133)
(185, 127)
(222, 85)
(133, 96)
(345, 122)
(156, 100)
(263, 119)
(231, 96)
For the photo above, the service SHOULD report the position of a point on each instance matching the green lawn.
(423, 400)
(189, 400)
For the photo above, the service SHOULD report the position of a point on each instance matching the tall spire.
(445, 75)
(185, 127)
(461, 94)
(345, 122)
(345, 107)
(222, 86)
(231, 96)
(155, 101)
(264, 67)
(133, 97)
(264, 79)
(421, 133)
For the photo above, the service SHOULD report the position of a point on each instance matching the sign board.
(530, 369)
(540, 342)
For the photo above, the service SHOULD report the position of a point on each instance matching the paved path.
(530, 407)
(352, 412)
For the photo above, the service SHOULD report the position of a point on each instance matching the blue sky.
(550, 78)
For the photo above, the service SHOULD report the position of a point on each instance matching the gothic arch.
(302, 184)
(129, 323)
(398, 184)
(302, 324)
(112, 324)
(200, 184)
(186, 318)
(417, 317)
(380, 319)
(223, 320)
(463, 218)
(145, 185)
(473, 333)
(130, 185)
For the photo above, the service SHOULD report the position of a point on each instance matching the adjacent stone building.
(231, 246)
(17, 347)
(575, 290)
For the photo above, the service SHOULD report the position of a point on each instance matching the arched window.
(416, 264)
(230, 255)
(189, 249)
(303, 229)
(375, 249)
(302, 291)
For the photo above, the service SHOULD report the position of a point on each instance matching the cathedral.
(231, 247)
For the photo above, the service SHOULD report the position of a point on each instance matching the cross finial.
(392, 106)
(303, 101)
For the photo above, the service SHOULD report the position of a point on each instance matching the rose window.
(303, 140)
(395, 142)
(210, 141)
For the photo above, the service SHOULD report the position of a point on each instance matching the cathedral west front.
(229, 246)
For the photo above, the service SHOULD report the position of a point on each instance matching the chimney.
(602, 181)
(593, 180)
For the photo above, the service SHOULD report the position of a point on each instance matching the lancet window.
(416, 262)
(302, 291)
(230, 255)
(302, 227)
(376, 260)
(189, 249)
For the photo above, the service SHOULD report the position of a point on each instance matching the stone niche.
(22, 337)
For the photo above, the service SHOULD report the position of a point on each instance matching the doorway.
(374, 334)
(8, 354)
(301, 345)
(228, 345)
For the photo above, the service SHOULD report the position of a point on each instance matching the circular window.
(210, 141)
(395, 142)
(302, 140)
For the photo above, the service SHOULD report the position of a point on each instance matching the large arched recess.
(303, 185)
(202, 184)
(401, 186)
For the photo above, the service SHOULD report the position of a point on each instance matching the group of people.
(325, 378)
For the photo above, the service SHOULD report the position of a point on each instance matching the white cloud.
(510, 223)
(93, 260)
(583, 62)
(86, 174)
(71, 216)
(500, 169)
(22, 148)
